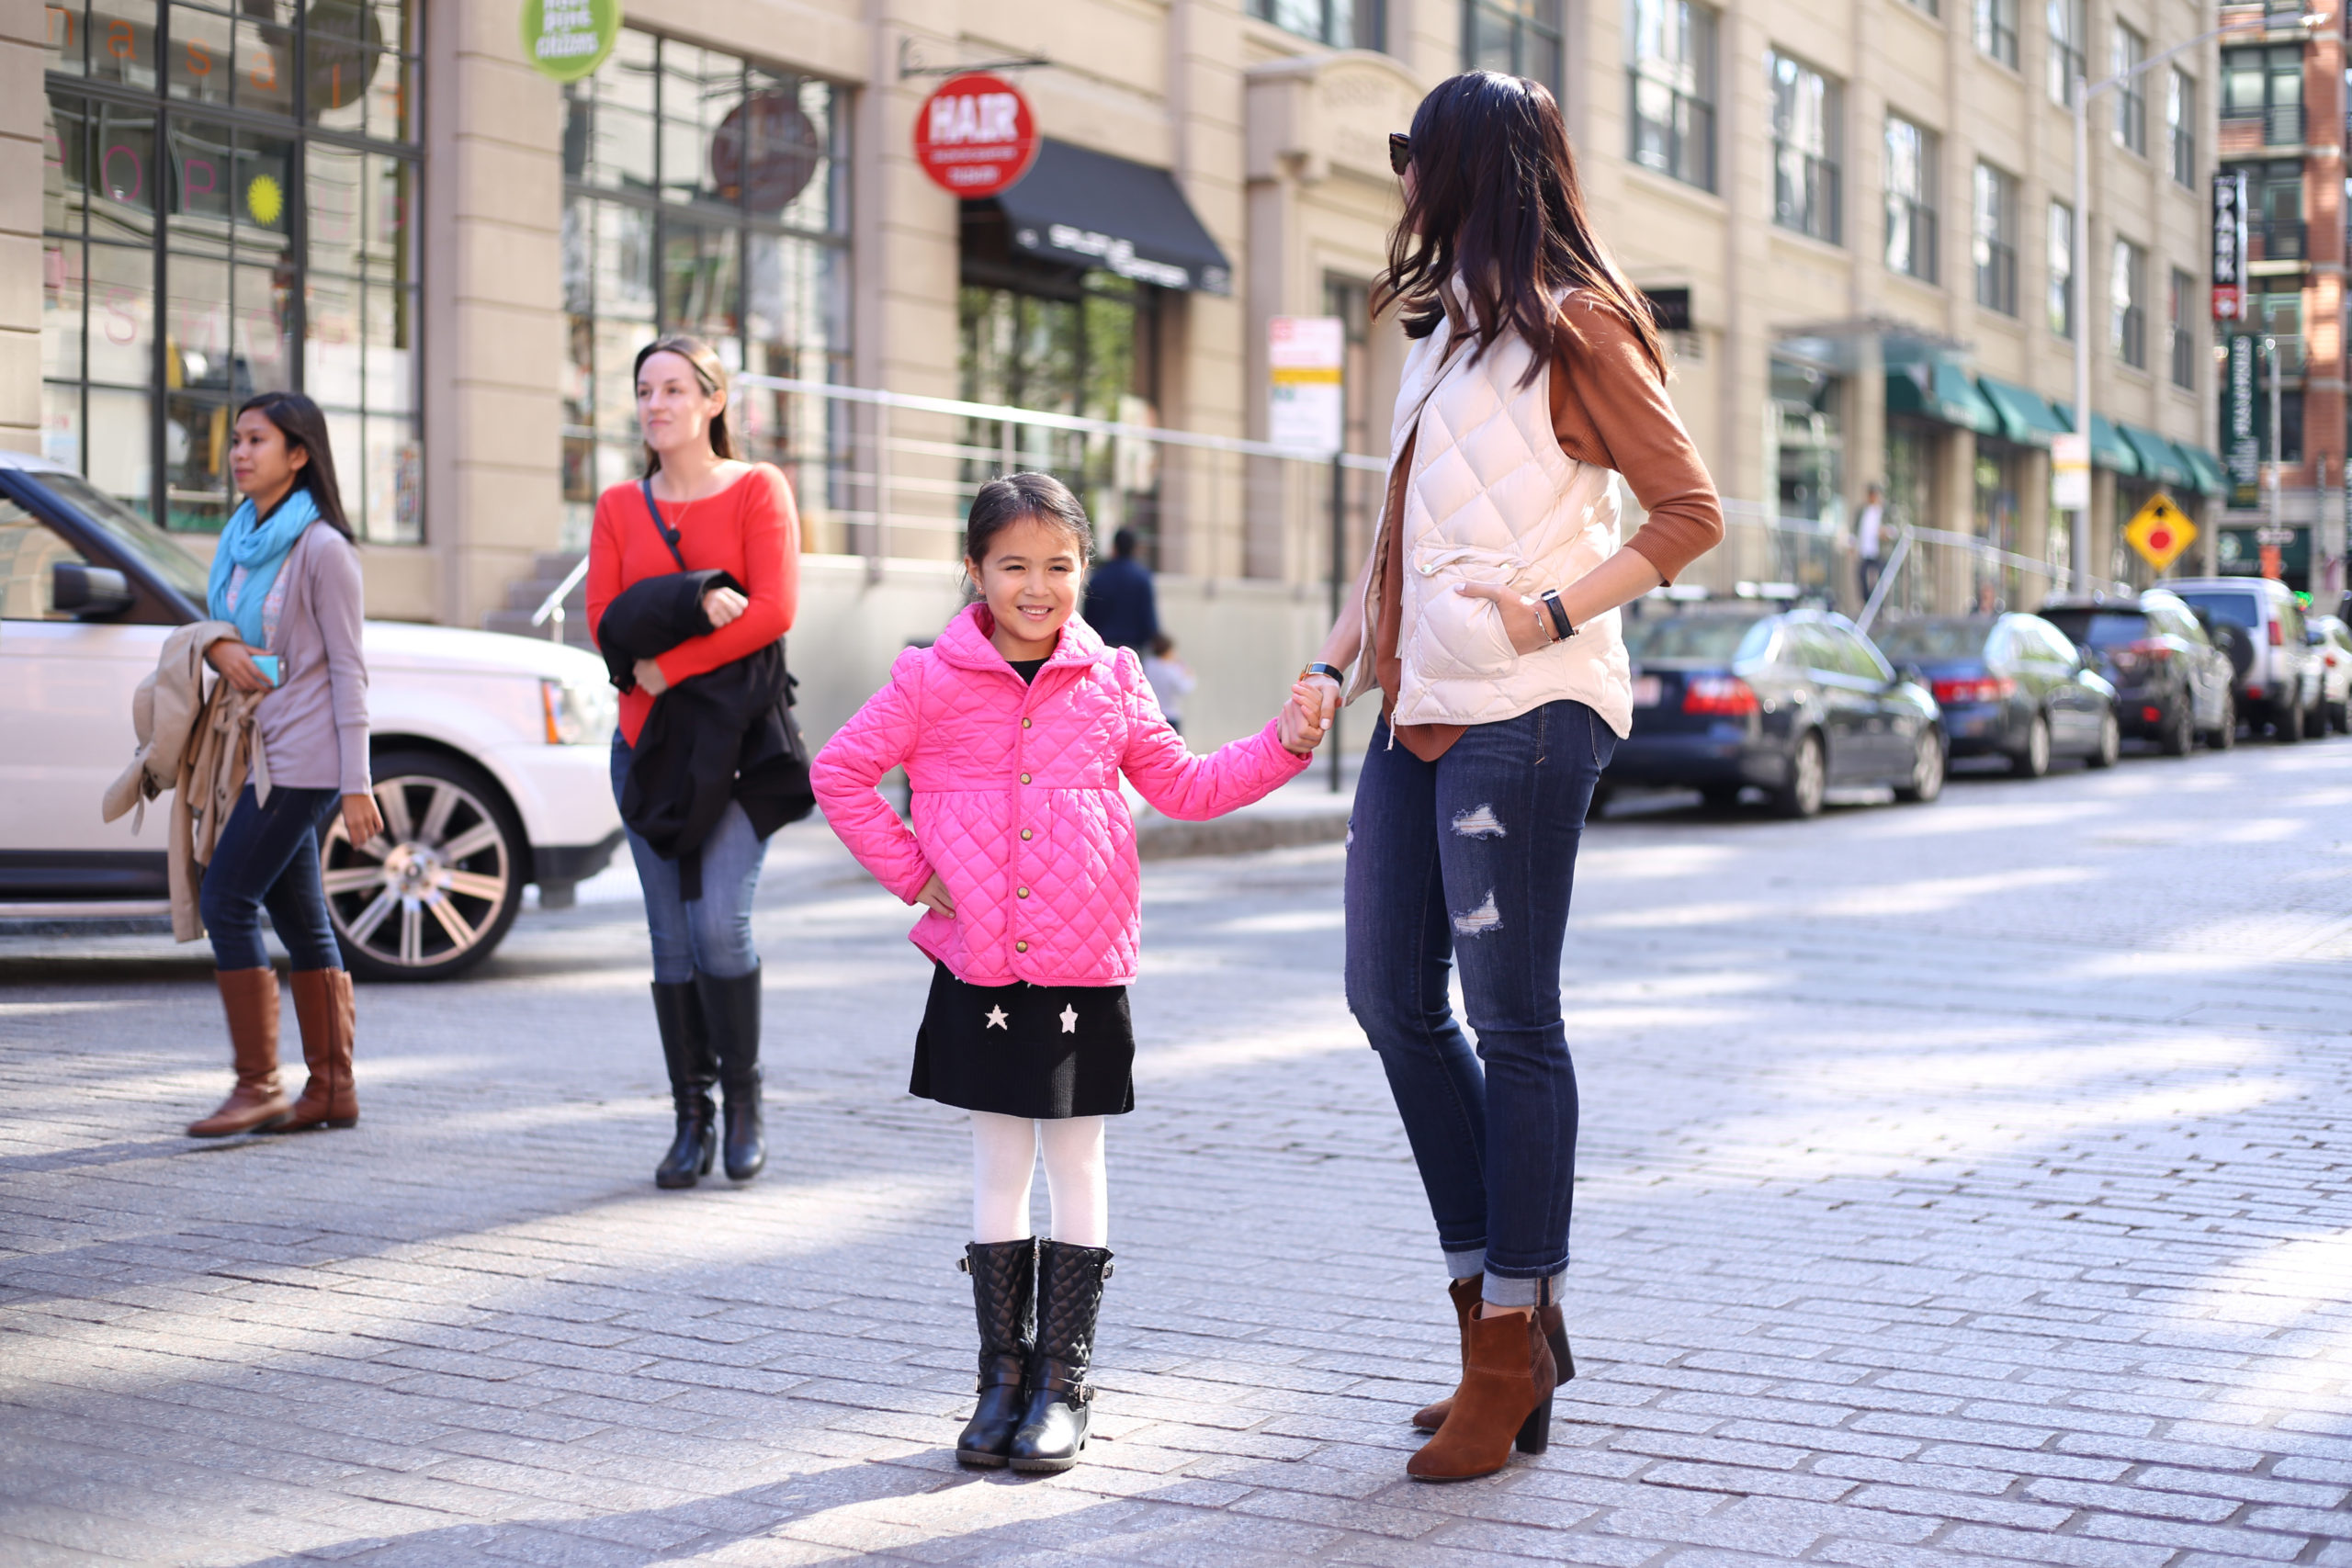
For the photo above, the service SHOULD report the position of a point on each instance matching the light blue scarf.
(261, 549)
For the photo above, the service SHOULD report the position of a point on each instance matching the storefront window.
(229, 205)
(1809, 432)
(706, 194)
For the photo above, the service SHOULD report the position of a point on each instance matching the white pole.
(2080, 533)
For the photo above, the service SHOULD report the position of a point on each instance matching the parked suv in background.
(488, 751)
(2332, 638)
(2171, 685)
(2260, 627)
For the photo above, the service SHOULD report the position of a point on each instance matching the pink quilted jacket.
(1016, 799)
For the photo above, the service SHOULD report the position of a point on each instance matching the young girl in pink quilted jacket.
(1014, 728)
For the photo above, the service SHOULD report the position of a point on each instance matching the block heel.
(1535, 1432)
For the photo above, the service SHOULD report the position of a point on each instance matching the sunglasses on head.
(1400, 151)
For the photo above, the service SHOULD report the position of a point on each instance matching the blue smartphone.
(268, 664)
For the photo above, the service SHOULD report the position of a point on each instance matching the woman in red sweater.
(720, 515)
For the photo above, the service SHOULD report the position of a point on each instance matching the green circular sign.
(569, 38)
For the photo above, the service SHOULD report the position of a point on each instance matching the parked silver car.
(2260, 626)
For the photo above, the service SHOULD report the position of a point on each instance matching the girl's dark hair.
(709, 372)
(1002, 503)
(305, 428)
(1496, 204)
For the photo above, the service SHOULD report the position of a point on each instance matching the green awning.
(2206, 475)
(2109, 449)
(1941, 392)
(2159, 459)
(2026, 419)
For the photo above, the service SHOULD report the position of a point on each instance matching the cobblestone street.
(1960, 1184)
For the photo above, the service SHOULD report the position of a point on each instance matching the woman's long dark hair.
(1496, 203)
(709, 374)
(305, 428)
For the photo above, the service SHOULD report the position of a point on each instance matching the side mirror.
(88, 590)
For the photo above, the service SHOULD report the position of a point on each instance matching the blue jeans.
(1474, 855)
(267, 857)
(712, 933)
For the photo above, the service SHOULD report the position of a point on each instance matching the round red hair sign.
(975, 135)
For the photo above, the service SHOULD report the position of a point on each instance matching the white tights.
(1004, 1158)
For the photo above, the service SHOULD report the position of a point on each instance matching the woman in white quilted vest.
(1487, 617)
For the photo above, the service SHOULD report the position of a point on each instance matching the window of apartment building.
(1996, 242)
(2181, 329)
(706, 194)
(1928, 6)
(2069, 63)
(2274, 204)
(2127, 293)
(1520, 37)
(2180, 123)
(233, 214)
(2126, 53)
(2062, 270)
(1670, 67)
(1342, 23)
(2265, 83)
(1806, 112)
(1911, 155)
(1996, 30)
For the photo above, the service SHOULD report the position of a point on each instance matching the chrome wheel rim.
(1927, 765)
(426, 890)
(2037, 746)
(1811, 775)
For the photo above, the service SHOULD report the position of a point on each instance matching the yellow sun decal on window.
(264, 199)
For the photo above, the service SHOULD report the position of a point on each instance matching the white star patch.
(996, 1019)
(1070, 1020)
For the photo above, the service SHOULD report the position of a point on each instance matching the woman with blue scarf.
(286, 576)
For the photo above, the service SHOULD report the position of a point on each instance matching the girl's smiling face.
(1030, 582)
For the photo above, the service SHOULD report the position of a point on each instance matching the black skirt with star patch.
(1023, 1050)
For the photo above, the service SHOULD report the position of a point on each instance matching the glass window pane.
(28, 550)
(60, 423)
(64, 30)
(391, 341)
(262, 85)
(262, 204)
(123, 202)
(119, 455)
(332, 336)
(195, 462)
(335, 180)
(201, 65)
(392, 483)
(263, 330)
(203, 180)
(65, 165)
(121, 42)
(122, 317)
(60, 309)
(198, 331)
(699, 283)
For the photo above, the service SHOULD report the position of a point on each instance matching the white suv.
(2257, 621)
(489, 751)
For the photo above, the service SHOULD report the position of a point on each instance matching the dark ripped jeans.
(1475, 854)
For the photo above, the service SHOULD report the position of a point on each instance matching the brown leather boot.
(1507, 1383)
(323, 1005)
(258, 1102)
(1429, 1417)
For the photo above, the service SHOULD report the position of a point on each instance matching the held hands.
(935, 897)
(1524, 620)
(235, 662)
(1307, 715)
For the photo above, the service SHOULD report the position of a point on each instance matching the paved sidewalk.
(1960, 1185)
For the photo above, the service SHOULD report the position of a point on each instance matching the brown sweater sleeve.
(1609, 407)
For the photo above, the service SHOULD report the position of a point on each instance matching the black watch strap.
(1561, 628)
(1333, 672)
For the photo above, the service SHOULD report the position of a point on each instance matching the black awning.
(1089, 209)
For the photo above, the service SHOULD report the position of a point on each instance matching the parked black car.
(1733, 694)
(2172, 683)
(2012, 686)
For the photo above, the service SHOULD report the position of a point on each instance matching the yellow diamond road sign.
(2160, 531)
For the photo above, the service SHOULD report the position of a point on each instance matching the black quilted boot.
(733, 1008)
(1070, 1298)
(694, 1067)
(1004, 1278)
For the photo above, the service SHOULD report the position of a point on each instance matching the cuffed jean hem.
(1502, 1291)
(1465, 1264)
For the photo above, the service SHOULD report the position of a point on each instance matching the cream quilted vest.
(1491, 498)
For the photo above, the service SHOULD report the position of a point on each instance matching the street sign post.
(2229, 247)
(1304, 356)
(2070, 472)
(2160, 531)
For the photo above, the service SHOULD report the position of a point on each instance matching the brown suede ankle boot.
(258, 1102)
(323, 1007)
(1507, 1383)
(1429, 1417)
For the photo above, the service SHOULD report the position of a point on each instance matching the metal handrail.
(551, 607)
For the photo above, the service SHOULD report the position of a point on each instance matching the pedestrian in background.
(1170, 682)
(1120, 603)
(705, 550)
(286, 575)
(1870, 537)
(1504, 689)
(1014, 728)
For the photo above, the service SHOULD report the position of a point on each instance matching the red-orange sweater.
(751, 529)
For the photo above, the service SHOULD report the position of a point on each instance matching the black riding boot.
(1070, 1298)
(733, 1008)
(1004, 1277)
(686, 1046)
